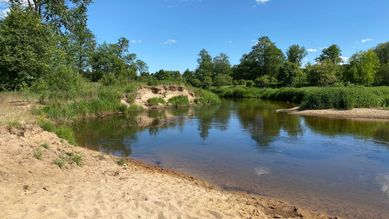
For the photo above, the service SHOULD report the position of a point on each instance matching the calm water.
(336, 166)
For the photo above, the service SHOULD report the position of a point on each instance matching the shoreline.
(369, 114)
(37, 188)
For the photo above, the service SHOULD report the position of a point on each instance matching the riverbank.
(357, 114)
(97, 185)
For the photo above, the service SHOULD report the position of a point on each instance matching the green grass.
(178, 101)
(69, 158)
(315, 97)
(156, 101)
(205, 97)
(45, 146)
(38, 153)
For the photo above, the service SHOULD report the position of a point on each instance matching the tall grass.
(316, 97)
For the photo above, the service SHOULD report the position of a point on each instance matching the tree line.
(268, 66)
(42, 40)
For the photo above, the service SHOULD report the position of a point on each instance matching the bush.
(63, 83)
(155, 101)
(179, 101)
(206, 98)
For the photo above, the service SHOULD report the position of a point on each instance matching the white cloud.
(262, 1)
(136, 41)
(344, 59)
(4, 12)
(366, 40)
(170, 42)
(312, 50)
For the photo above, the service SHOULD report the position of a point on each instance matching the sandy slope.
(32, 188)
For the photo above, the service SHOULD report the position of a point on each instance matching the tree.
(332, 54)
(296, 54)
(221, 65)
(363, 68)
(323, 74)
(264, 59)
(382, 51)
(204, 71)
(28, 49)
(113, 61)
(382, 77)
(69, 19)
(287, 74)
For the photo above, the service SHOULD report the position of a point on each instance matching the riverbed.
(337, 166)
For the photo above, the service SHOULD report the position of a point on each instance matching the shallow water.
(336, 166)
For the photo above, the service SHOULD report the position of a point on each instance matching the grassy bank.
(55, 105)
(315, 97)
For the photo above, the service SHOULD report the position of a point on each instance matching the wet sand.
(37, 188)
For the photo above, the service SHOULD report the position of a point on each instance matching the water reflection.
(246, 145)
(256, 117)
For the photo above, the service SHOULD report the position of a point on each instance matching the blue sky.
(168, 34)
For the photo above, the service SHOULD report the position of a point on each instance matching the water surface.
(331, 165)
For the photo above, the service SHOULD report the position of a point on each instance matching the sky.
(168, 34)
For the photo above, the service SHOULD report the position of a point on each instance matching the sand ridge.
(33, 188)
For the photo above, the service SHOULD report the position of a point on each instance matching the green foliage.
(69, 158)
(60, 162)
(331, 54)
(363, 68)
(155, 101)
(38, 153)
(222, 80)
(66, 133)
(288, 73)
(62, 83)
(238, 92)
(265, 59)
(341, 98)
(121, 162)
(113, 64)
(296, 54)
(382, 77)
(266, 81)
(179, 101)
(323, 74)
(28, 49)
(45, 146)
(75, 158)
(206, 97)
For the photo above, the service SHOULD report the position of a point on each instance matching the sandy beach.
(100, 188)
(357, 113)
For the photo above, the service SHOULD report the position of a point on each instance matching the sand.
(37, 188)
(358, 113)
(164, 92)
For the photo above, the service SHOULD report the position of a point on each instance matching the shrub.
(178, 101)
(206, 98)
(155, 101)
(75, 158)
(38, 153)
(60, 162)
(45, 146)
(121, 162)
